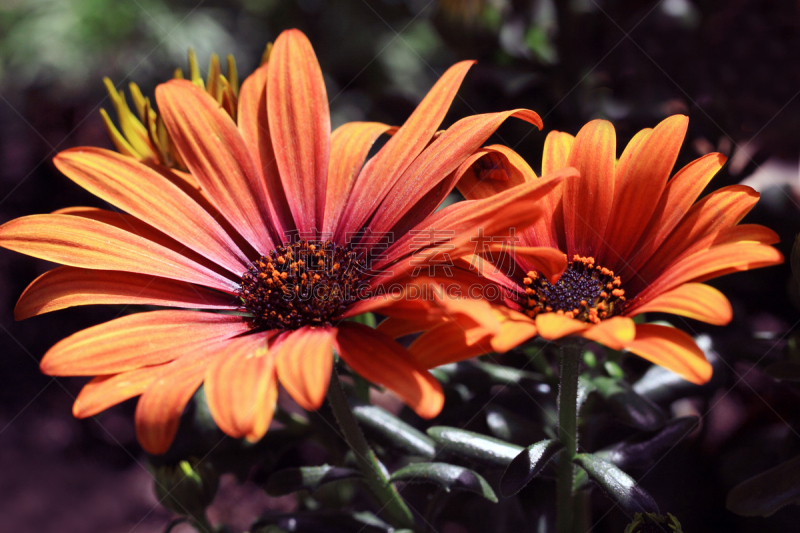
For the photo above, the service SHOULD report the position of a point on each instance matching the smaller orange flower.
(636, 242)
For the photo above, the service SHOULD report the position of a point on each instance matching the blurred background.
(731, 65)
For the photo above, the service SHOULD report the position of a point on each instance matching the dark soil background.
(731, 65)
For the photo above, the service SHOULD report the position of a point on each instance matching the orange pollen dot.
(585, 291)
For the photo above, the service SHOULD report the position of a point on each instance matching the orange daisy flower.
(636, 242)
(265, 246)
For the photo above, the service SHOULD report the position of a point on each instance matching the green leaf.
(660, 385)
(474, 446)
(309, 478)
(527, 465)
(510, 427)
(767, 492)
(629, 407)
(394, 431)
(643, 451)
(784, 370)
(449, 477)
(617, 485)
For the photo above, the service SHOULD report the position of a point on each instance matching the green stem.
(567, 433)
(392, 505)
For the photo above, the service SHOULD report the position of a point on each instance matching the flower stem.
(375, 475)
(567, 433)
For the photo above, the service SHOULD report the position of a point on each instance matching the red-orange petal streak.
(692, 300)
(65, 287)
(381, 360)
(136, 341)
(81, 242)
(300, 125)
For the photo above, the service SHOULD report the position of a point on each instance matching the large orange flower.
(636, 240)
(272, 225)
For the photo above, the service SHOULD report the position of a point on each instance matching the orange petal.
(67, 287)
(350, 145)
(82, 242)
(451, 341)
(631, 149)
(557, 148)
(159, 410)
(693, 300)
(676, 200)
(640, 183)
(242, 388)
(300, 125)
(712, 263)
(752, 233)
(136, 341)
(211, 146)
(515, 328)
(458, 226)
(147, 195)
(673, 349)
(438, 160)
(498, 168)
(254, 128)
(615, 332)
(587, 201)
(382, 172)
(304, 364)
(381, 360)
(549, 261)
(103, 392)
(552, 326)
(700, 227)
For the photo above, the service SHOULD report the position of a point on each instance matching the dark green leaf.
(767, 492)
(629, 407)
(308, 478)
(618, 485)
(642, 452)
(474, 446)
(447, 476)
(395, 431)
(784, 370)
(659, 384)
(511, 427)
(527, 465)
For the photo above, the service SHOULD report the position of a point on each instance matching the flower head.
(635, 241)
(276, 233)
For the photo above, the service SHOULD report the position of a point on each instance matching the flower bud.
(187, 488)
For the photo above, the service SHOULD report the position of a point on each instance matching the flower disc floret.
(306, 283)
(585, 291)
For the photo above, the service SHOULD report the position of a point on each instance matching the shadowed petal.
(304, 364)
(103, 392)
(242, 388)
(693, 300)
(381, 360)
(498, 169)
(550, 262)
(672, 349)
(211, 146)
(137, 340)
(67, 287)
(449, 342)
(300, 125)
(82, 242)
